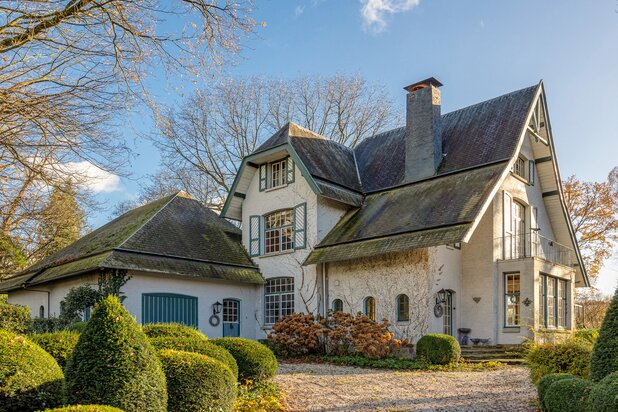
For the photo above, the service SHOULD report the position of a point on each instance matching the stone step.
(508, 361)
(489, 356)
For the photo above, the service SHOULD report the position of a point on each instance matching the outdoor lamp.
(216, 307)
(441, 296)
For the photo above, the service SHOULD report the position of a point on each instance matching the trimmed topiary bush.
(172, 330)
(567, 395)
(604, 358)
(201, 346)
(571, 356)
(546, 381)
(255, 361)
(85, 408)
(438, 349)
(114, 364)
(604, 395)
(14, 318)
(30, 379)
(197, 382)
(58, 344)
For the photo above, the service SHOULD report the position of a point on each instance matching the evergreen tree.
(604, 360)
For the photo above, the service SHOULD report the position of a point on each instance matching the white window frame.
(278, 299)
(512, 299)
(278, 172)
(281, 234)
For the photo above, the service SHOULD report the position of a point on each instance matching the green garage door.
(169, 307)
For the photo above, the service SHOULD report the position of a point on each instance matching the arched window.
(278, 299)
(42, 311)
(337, 305)
(370, 308)
(403, 308)
(279, 231)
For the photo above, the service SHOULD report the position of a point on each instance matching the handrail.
(534, 245)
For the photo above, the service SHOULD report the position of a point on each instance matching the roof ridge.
(140, 227)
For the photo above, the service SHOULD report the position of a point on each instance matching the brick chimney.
(423, 130)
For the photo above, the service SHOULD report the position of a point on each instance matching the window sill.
(286, 252)
(511, 329)
(402, 322)
(518, 177)
(270, 189)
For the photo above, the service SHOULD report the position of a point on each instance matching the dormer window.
(524, 168)
(276, 174)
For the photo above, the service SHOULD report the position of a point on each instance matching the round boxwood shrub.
(197, 345)
(14, 318)
(58, 344)
(604, 358)
(85, 408)
(604, 395)
(567, 395)
(571, 356)
(438, 349)
(30, 379)
(546, 381)
(114, 364)
(255, 361)
(173, 330)
(197, 382)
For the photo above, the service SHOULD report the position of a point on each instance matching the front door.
(231, 318)
(448, 313)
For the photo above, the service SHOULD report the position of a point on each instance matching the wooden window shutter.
(300, 226)
(507, 215)
(531, 172)
(263, 179)
(254, 235)
(290, 171)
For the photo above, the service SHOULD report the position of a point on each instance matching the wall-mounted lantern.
(216, 308)
(441, 297)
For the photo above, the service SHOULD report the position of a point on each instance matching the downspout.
(325, 290)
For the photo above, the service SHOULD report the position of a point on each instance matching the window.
(167, 308)
(519, 230)
(337, 305)
(554, 309)
(403, 308)
(370, 308)
(278, 299)
(230, 310)
(511, 299)
(279, 231)
(519, 168)
(277, 174)
(41, 311)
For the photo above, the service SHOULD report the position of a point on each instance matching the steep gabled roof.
(174, 235)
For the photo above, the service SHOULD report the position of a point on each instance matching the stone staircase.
(509, 354)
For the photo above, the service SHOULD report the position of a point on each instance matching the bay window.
(553, 308)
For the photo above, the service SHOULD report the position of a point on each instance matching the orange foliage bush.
(298, 334)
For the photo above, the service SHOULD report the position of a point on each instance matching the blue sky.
(478, 49)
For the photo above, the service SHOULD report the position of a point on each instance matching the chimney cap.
(432, 81)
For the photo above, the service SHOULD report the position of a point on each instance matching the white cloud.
(299, 10)
(91, 177)
(374, 11)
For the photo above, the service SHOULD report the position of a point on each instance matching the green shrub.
(571, 356)
(588, 335)
(604, 358)
(197, 382)
(85, 408)
(198, 345)
(45, 325)
(174, 330)
(58, 344)
(255, 361)
(78, 327)
(30, 379)
(604, 395)
(114, 364)
(546, 381)
(14, 318)
(567, 395)
(438, 349)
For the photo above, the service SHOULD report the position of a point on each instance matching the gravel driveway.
(324, 387)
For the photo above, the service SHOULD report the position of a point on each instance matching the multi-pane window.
(277, 173)
(519, 168)
(511, 299)
(403, 308)
(370, 308)
(554, 309)
(337, 305)
(230, 311)
(550, 306)
(278, 299)
(279, 231)
(562, 303)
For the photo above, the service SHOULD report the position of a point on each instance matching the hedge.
(114, 364)
(604, 358)
(255, 361)
(546, 381)
(58, 344)
(571, 356)
(14, 318)
(30, 379)
(85, 408)
(567, 395)
(438, 349)
(604, 395)
(197, 382)
(198, 345)
(173, 330)
(78, 327)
